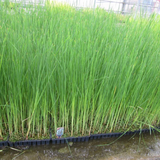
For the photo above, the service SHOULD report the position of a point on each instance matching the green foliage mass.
(83, 70)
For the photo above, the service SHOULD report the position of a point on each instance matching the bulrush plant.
(77, 69)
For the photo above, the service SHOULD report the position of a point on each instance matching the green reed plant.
(83, 70)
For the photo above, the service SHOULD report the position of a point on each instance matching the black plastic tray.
(29, 142)
(71, 139)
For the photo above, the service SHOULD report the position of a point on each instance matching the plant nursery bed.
(86, 71)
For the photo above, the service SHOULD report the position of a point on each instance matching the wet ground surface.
(144, 147)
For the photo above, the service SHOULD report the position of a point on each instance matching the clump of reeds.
(81, 70)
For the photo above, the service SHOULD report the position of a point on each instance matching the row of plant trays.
(71, 139)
